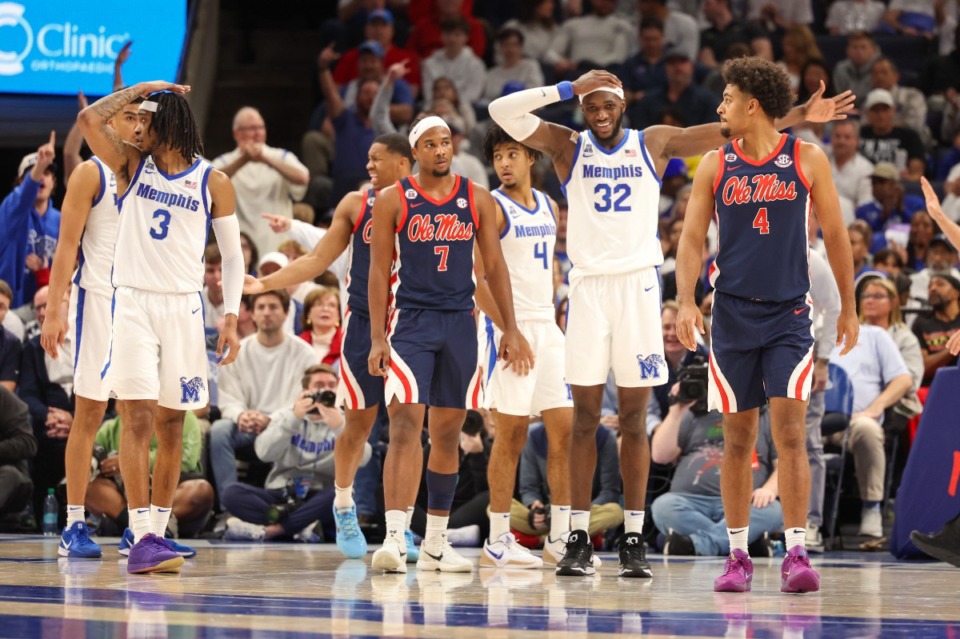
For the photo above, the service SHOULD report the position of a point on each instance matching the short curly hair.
(763, 80)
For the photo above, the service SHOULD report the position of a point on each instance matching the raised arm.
(331, 95)
(816, 168)
(386, 212)
(226, 226)
(73, 144)
(118, 65)
(83, 190)
(695, 225)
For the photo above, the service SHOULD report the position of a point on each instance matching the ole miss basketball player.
(760, 188)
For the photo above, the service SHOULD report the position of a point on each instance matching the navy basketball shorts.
(759, 350)
(358, 389)
(433, 359)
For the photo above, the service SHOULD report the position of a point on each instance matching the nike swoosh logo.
(196, 311)
(544, 94)
(737, 532)
(647, 290)
(140, 511)
(163, 510)
(492, 554)
(798, 311)
(734, 168)
(434, 557)
(634, 514)
(67, 546)
(564, 509)
(413, 206)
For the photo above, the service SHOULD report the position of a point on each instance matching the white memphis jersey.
(99, 236)
(527, 242)
(162, 233)
(613, 197)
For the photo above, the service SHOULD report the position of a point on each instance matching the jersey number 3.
(761, 222)
(161, 224)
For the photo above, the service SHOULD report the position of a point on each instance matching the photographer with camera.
(691, 515)
(299, 492)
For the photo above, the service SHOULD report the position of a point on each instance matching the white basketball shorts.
(89, 332)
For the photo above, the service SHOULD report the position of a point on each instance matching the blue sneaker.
(413, 550)
(126, 542)
(75, 543)
(153, 554)
(350, 541)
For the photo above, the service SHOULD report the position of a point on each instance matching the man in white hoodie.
(299, 491)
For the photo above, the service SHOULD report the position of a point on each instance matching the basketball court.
(287, 590)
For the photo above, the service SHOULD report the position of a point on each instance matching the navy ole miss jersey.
(762, 209)
(433, 249)
(358, 270)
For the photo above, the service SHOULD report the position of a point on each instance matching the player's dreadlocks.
(175, 126)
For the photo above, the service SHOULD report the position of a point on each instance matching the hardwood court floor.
(286, 590)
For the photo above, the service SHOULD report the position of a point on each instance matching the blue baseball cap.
(372, 46)
(675, 167)
(380, 14)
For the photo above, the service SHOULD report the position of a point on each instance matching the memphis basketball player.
(759, 187)
(157, 362)
(422, 271)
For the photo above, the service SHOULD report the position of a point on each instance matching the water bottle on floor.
(50, 513)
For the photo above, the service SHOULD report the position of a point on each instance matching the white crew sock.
(795, 537)
(633, 521)
(580, 520)
(159, 518)
(499, 525)
(343, 499)
(559, 520)
(139, 522)
(738, 538)
(395, 524)
(409, 516)
(74, 514)
(436, 526)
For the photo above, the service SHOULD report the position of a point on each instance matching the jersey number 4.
(161, 224)
(761, 222)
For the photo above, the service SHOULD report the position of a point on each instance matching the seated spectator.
(271, 263)
(321, 322)
(880, 379)
(933, 330)
(513, 67)
(606, 512)
(847, 16)
(889, 262)
(299, 490)
(598, 40)
(679, 29)
(799, 47)
(890, 204)
(851, 171)
(677, 357)
(951, 187)
(942, 73)
(691, 515)
(46, 385)
(10, 346)
(535, 21)
(266, 179)
(426, 36)
(352, 129)
(812, 73)
(378, 28)
(192, 500)
(17, 448)
(448, 105)
(853, 73)
(922, 231)
(860, 247)
(724, 32)
(31, 226)
(465, 163)
(32, 328)
(910, 105)
(251, 256)
(681, 94)
(644, 70)
(294, 250)
(882, 141)
(909, 17)
(941, 259)
(264, 378)
(8, 320)
(455, 61)
(212, 294)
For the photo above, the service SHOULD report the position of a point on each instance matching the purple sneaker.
(796, 575)
(153, 554)
(737, 573)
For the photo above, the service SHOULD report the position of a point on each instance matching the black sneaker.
(678, 544)
(578, 556)
(761, 547)
(633, 557)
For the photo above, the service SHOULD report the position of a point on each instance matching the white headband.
(149, 105)
(423, 125)
(617, 91)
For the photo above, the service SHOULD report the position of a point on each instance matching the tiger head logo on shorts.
(190, 390)
(651, 365)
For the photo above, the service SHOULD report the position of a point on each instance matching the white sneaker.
(391, 556)
(465, 537)
(438, 554)
(871, 522)
(239, 530)
(505, 552)
(554, 549)
(814, 542)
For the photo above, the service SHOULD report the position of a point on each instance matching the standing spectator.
(10, 346)
(455, 61)
(882, 141)
(371, 67)
(909, 103)
(600, 39)
(30, 225)
(644, 70)
(321, 324)
(513, 66)
(17, 448)
(266, 179)
(264, 379)
(889, 204)
(851, 171)
(724, 31)
(777, 15)
(696, 104)
(941, 259)
(379, 28)
(448, 105)
(933, 331)
(426, 37)
(854, 72)
(848, 16)
(535, 21)
(299, 490)
(916, 17)
(679, 29)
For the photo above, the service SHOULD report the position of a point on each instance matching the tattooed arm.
(122, 158)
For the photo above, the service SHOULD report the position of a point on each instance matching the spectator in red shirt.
(379, 28)
(425, 37)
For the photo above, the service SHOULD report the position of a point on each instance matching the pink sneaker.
(796, 575)
(737, 573)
